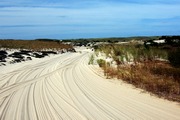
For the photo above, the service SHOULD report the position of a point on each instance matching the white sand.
(66, 87)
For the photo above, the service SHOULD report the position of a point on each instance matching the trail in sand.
(66, 87)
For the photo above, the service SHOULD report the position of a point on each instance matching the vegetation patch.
(34, 45)
(23, 50)
(153, 69)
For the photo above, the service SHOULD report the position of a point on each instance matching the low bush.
(174, 57)
(101, 63)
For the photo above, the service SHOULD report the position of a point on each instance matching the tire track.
(65, 87)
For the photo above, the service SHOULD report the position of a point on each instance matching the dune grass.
(148, 69)
(91, 59)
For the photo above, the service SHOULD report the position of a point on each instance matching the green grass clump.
(101, 63)
(91, 60)
(132, 53)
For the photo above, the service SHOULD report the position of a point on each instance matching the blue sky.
(65, 19)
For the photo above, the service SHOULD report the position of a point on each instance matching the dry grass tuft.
(152, 78)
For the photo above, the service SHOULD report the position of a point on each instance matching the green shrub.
(174, 57)
(101, 62)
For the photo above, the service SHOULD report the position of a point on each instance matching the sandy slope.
(65, 87)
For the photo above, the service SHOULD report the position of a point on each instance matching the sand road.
(66, 87)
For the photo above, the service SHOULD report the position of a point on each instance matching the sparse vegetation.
(28, 49)
(151, 69)
(33, 45)
(91, 59)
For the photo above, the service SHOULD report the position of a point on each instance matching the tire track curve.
(65, 87)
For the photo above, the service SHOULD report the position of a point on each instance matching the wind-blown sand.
(66, 87)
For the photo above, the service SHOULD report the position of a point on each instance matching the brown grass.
(32, 44)
(158, 78)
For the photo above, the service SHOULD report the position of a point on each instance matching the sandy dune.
(65, 87)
